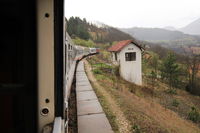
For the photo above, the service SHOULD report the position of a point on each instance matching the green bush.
(175, 103)
(105, 68)
(194, 115)
(85, 43)
(100, 77)
(97, 71)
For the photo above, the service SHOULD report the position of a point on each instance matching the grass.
(135, 116)
(149, 110)
(106, 108)
(194, 115)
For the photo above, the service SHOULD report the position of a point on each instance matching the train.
(94, 50)
(38, 60)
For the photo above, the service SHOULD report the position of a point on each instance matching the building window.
(116, 56)
(68, 46)
(130, 56)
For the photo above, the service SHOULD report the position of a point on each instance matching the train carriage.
(38, 61)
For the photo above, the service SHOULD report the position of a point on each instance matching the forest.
(76, 27)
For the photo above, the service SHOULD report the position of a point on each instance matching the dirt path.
(123, 123)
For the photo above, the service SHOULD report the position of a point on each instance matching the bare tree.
(193, 67)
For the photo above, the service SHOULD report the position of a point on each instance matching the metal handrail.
(57, 127)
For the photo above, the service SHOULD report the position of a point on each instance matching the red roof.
(120, 45)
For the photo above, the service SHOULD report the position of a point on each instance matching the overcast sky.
(136, 13)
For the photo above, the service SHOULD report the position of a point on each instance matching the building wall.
(116, 62)
(131, 70)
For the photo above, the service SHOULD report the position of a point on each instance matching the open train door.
(18, 66)
(31, 66)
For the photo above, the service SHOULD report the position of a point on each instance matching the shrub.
(194, 115)
(171, 91)
(97, 71)
(131, 90)
(104, 68)
(85, 43)
(175, 103)
(136, 128)
(187, 88)
(106, 56)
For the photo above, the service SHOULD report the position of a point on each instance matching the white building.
(128, 55)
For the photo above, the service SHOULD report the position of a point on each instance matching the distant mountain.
(192, 28)
(166, 37)
(154, 34)
(170, 28)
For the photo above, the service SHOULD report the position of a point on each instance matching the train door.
(31, 65)
(51, 37)
(18, 66)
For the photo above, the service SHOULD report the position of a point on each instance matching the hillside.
(154, 34)
(107, 34)
(138, 109)
(192, 28)
(77, 27)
